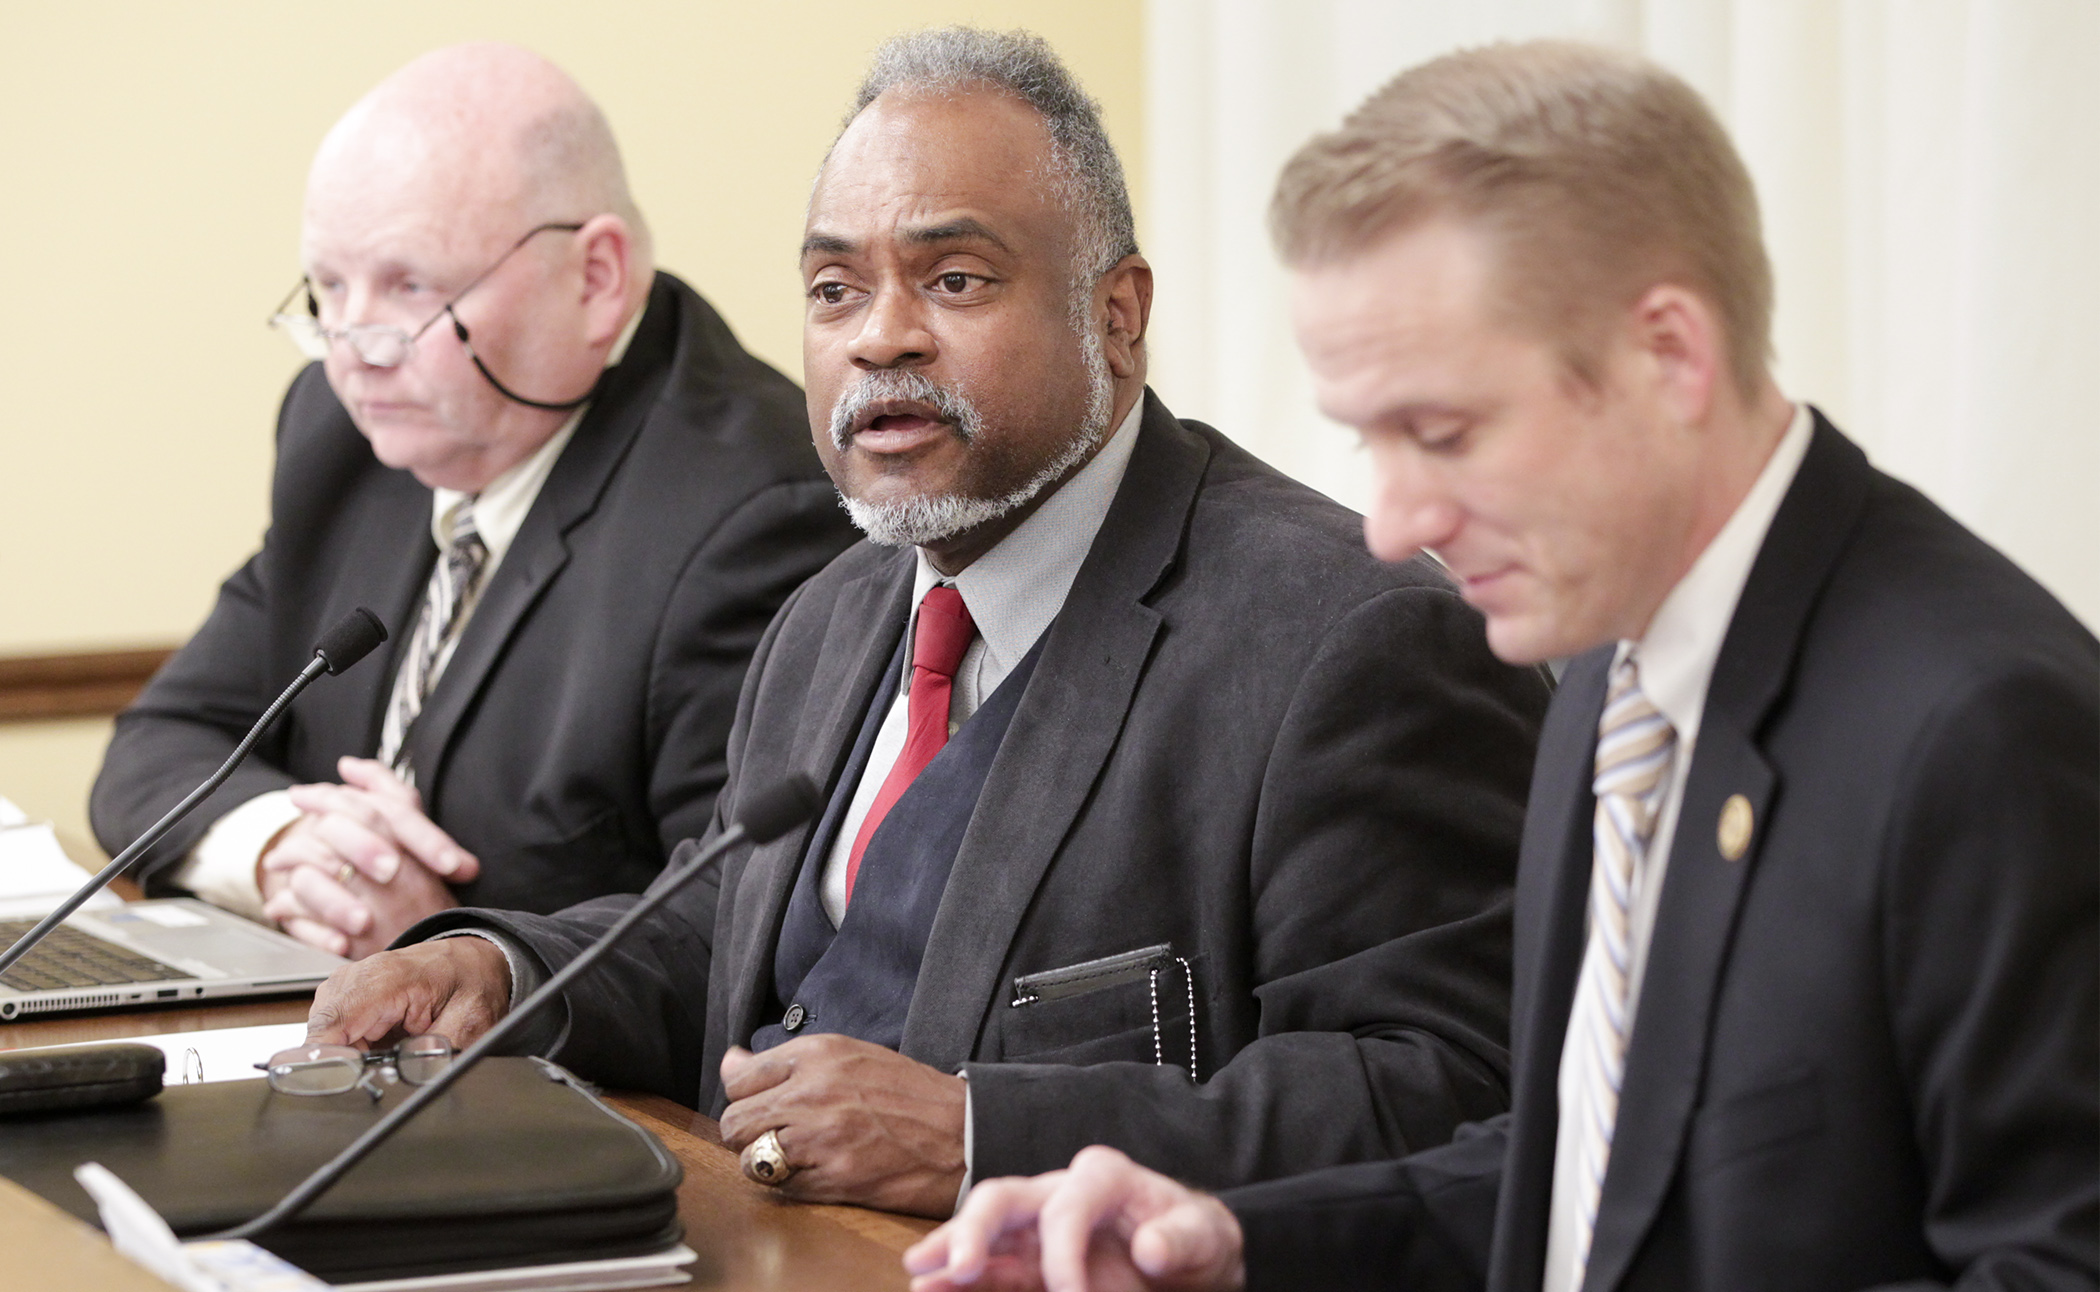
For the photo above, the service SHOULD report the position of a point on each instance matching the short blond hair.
(1596, 174)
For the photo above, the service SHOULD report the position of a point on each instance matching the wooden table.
(748, 1236)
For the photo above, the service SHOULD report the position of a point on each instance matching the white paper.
(241, 1266)
(10, 814)
(217, 1054)
(35, 873)
(136, 1230)
(138, 1233)
(658, 1269)
(170, 917)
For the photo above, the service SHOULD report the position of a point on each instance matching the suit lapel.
(387, 566)
(1553, 882)
(1093, 657)
(866, 622)
(540, 550)
(1702, 891)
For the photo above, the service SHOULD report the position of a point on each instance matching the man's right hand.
(1104, 1224)
(455, 987)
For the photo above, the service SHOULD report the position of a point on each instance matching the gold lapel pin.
(1734, 832)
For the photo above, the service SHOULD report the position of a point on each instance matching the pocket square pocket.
(1140, 969)
(1091, 975)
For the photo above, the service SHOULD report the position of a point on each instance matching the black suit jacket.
(1865, 1053)
(578, 732)
(1216, 751)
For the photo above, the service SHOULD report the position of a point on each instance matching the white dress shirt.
(1676, 658)
(221, 865)
(1012, 593)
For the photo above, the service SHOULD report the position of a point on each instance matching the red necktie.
(943, 635)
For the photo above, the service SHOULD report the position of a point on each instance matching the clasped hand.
(361, 863)
(857, 1122)
(1104, 1224)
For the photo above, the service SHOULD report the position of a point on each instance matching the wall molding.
(86, 684)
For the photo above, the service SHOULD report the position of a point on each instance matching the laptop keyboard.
(71, 958)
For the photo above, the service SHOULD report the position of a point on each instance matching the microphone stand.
(332, 656)
(770, 819)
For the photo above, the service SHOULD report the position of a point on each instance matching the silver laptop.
(144, 953)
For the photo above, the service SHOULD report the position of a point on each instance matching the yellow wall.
(151, 162)
(46, 768)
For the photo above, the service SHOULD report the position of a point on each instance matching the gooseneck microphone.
(348, 641)
(771, 813)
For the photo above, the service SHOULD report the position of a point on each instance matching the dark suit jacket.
(1865, 1054)
(578, 732)
(1246, 738)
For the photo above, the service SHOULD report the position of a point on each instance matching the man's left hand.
(362, 864)
(858, 1122)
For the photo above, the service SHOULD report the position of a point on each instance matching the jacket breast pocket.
(1134, 1006)
(1780, 1112)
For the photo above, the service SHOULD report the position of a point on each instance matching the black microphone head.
(350, 639)
(779, 808)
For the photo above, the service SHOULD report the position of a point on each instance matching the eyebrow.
(960, 230)
(828, 243)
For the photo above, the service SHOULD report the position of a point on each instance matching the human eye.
(829, 291)
(959, 282)
(1441, 433)
(324, 294)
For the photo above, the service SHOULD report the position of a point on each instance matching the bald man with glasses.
(573, 498)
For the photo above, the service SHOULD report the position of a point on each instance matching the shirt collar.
(501, 506)
(1677, 653)
(1017, 588)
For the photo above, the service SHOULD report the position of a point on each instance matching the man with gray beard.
(1134, 832)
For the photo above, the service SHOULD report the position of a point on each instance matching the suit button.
(794, 1018)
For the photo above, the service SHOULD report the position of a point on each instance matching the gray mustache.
(873, 388)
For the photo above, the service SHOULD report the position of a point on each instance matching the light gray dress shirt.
(1012, 593)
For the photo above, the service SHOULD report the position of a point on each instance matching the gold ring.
(344, 872)
(765, 1163)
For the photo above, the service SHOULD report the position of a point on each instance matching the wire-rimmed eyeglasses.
(338, 1069)
(382, 345)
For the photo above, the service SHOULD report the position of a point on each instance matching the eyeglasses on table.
(338, 1069)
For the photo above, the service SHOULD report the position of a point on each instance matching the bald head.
(494, 136)
(478, 185)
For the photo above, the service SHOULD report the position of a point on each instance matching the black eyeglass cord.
(460, 330)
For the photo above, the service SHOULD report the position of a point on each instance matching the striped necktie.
(1635, 744)
(455, 581)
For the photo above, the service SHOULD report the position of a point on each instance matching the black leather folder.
(518, 1164)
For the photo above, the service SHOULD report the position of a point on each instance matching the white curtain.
(1929, 172)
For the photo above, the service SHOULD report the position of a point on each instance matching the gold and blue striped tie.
(454, 583)
(1635, 745)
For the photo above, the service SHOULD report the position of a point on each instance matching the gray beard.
(935, 518)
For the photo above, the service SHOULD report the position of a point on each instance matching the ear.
(1125, 294)
(1679, 332)
(605, 242)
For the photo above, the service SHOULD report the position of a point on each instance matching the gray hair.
(1083, 164)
